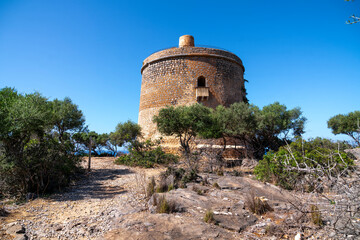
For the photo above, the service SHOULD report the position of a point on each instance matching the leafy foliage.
(146, 154)
(124, 133)
(260, 130)
(276, 126)
(66, 117)
(348, 124)
(184, 123)
(302, 164)
(35, 145)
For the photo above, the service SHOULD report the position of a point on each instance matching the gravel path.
(88, 209)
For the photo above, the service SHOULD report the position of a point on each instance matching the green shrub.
(36, 144)
(146, 154)
(189, 176)
(209, 217)
(46, 166)
(302, 163)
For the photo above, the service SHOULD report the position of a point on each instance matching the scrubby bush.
(146, 154)
(180, 176)
(303, 164)
(36, 145)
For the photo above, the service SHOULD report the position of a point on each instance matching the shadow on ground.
(94, 185)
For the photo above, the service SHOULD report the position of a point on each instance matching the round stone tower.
(186, 75)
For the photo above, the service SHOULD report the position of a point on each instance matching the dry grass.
(257, 205)
(209, 217)
(216, 185)
(150, 189)
(163, 186)
(316, 215)
(138, 186)
(197, 190)
(274, 230)
(165, 206)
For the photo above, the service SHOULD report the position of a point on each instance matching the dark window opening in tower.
(201, 82)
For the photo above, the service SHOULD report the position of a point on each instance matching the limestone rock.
(235, 223)
(15, 229)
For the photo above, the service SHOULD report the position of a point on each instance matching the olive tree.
(66, 117)
(184, 123)
(348, 124)
(260, 130)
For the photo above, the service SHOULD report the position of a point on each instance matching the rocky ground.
(110, 203)
(86, 210)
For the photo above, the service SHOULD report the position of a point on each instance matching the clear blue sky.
(299, 52)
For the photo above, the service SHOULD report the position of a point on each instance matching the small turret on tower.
(186, 41)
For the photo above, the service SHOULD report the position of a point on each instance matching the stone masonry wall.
(169, 77)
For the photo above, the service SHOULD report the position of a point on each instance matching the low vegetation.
(150, 189)
(216, 185)
(257, 205)
(209, 217)
(316, 215)
(146, 154)
(164, 206)
(302, 165)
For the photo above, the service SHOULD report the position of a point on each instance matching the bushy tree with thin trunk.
(277, 126)
(260, 130)
(239, 121)
(124, 133)
(98, 141)
(67, 118)
(348, 124)
(184, 123)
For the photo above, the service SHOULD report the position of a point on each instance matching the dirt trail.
(88, 209)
